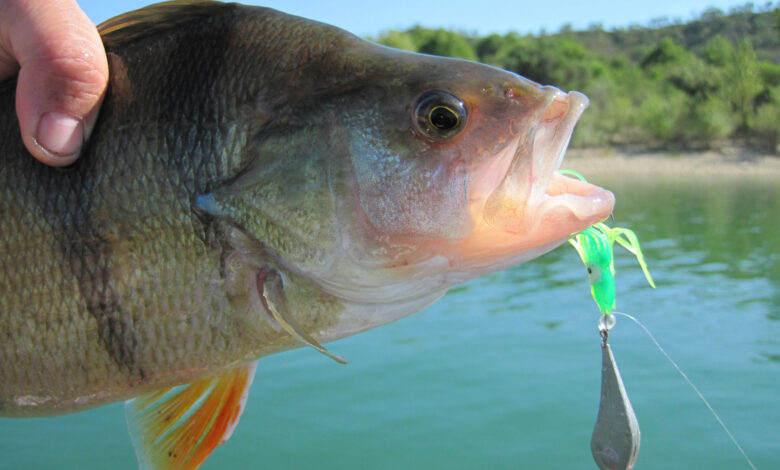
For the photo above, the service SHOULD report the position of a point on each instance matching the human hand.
(63, 73)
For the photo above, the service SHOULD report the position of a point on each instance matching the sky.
(371, 17)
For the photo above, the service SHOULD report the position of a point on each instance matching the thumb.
(62, 74)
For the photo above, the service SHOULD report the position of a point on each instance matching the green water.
(503, 373)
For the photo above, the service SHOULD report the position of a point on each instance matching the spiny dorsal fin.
(177, 428)
(157, 18)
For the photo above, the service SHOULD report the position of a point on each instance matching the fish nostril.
(531, 94)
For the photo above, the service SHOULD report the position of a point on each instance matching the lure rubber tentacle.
(595, 246)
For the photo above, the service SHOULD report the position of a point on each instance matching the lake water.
(503, 373)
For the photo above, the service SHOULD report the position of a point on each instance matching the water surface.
(503, 373)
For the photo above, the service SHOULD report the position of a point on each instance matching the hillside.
(668, 85)
(743, 23)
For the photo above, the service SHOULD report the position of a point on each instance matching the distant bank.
(727, 162)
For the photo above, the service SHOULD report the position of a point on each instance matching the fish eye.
(440, 115)
(594, 273)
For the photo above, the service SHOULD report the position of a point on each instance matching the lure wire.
(694, 387)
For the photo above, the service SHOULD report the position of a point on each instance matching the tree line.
(696, 85)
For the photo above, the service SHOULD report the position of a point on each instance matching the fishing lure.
(616, 436)
(595, 245)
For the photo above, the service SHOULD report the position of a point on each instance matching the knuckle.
(72, 76)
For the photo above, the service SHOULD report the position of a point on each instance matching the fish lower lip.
(585, 201)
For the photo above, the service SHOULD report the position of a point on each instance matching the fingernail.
(60, 134)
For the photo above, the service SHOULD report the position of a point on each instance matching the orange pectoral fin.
(177, 428)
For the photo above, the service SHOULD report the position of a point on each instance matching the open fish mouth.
(526, 208)
(586, 202)
(532, 193)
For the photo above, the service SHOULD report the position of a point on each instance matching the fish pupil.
(443, 118)
(439, 115)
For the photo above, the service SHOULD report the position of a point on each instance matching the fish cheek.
(409, 189)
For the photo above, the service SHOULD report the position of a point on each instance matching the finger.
(62, 76)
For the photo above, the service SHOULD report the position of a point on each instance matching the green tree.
(488, 47)
(768, 119)
(559, 60)
(666, 52)
(398, 39)
(742, 84)
(777, 19)
(447, 43)
(718, 51)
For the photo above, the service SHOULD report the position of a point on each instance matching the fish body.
(257, 182)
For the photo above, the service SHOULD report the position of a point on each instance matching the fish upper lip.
(553, 134)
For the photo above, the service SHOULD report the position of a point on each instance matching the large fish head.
(454, 166)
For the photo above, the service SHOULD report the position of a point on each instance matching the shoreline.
(615, 162)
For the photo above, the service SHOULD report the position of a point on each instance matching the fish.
(257, 182)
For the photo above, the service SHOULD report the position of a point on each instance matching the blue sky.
(370, 17)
